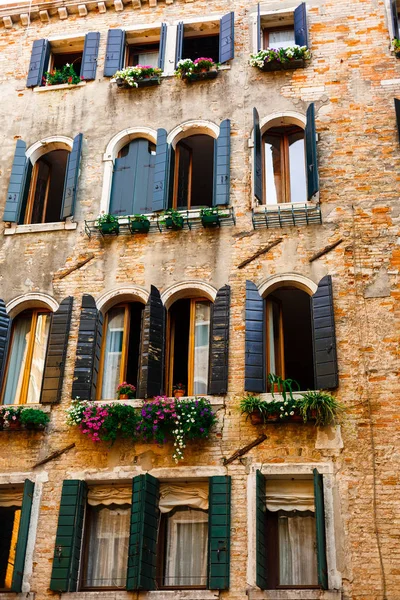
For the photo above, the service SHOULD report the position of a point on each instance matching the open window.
(193, 172)
(66, 52)
(209, 38)
(281, 28)
(132, 47)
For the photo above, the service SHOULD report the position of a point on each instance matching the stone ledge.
(137, 403)
(61, 86)
(40, 228)
(14, 596)
(158, 595)
(295, 594)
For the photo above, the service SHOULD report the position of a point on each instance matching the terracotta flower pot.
(14, 424)
(179, 393)
(123, 397)
(256, 418)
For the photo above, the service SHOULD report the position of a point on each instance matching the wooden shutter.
(89, 57)
(160, 187)
(22, 540)
(115, 52)
(324, 337)
(258, 28)
(144, 179)
(227, 37)
(5, 328)
(65, 572)
(300, 25)
(39, 60)
(122, 190)
(142, 552)
(152, 347)
(163, 42)
(56, 353)
(397, 110)
(222, 164)
(71, 178)
(261, 532)
(179, 42)
(254, 340)
(18, 185)
(395, 18)
(219, 342)
(219, 529)
(320, 527)
(87, 350)
(257, 158)
(311, 153)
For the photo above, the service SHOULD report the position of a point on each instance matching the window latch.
(223, 549)
(59, 550)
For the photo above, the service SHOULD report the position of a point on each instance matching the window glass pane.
(149, 59)
(297, 550)
(201, 347)
(17, 361)
(297, 167)
(282, 38)
(273, 169)
(113, 352)
(38, 357)
(183, 176)
(9, 526)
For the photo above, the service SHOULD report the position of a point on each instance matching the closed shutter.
(397, 109)
(163, 42)
(311, 153)
(219, 343)
(258, 28)
(65, 572)
(222, 164)
(56, 353)
(395, 18)
(324, 338)
(19, 184)
(219, 529)
(320, 527)
(89, 57)
(144, 179)
(115, 52)
(261, 532)
(152, 347)
(122, 191)
(22, 540)
(257, 158)
(142, 553)
(71, 178)
(300, 25)
(179, 42)
(87, 350)
(160, 187)
(254, 340)
(227, 37)
(38, 63)
(5, 328)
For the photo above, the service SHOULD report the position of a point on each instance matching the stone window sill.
(294, 594)
(62, 86)
(14, 596)
(137, 402)
(283, 206)
(46, 408)
(39, 227)
(159, 595)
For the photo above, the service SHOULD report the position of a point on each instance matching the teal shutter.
(261, 532)
(142, 553)
(65, 572)
(395, 18)
(258, 28)
(227, 37)
(5, 328)
(38, 63)
(144, 179)
(152, 347)
(23, 531)
(71, 178)
(326, 376)
(115, 52)
(397, 110)
(254, 340)
(160, 186)
(257, 158)
(219, 342)
(320, 527)
(300, 25)
(222, 164)
(89, 57)
(219, 529)
(311, 153)
(163, 42)
(19, 184)
(179, 42)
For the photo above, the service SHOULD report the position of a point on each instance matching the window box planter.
(281, 59)
(109, 228)
(210, 220)
(201, 76)
(139, 226)
(175, 223)
(14, 419)
(275, 65)
(147, 82)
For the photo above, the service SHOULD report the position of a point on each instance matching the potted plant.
(108, 224)
(179, 390)
(137, 76)
(282, 386)
(201, 68)
(34, 418)
(139, 224)
(321, 407)
(211, 217)
(255, 408)
(10, 417)
(173, 219)
(280, 59)
(66, 74)
(125, 391)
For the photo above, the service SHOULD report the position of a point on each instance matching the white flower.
(292, 413)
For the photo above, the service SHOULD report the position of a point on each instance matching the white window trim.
(130, 293)
(188, 289)
(62, 86)
(30, 300)
(68, 36)
(40, 227)
(264, 13)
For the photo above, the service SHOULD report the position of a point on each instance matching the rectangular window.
(277, 30)
(142, 47)
(66, 51)
(201, 40)
(10, 516)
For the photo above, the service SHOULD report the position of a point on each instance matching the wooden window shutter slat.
(258, 28)
(219, 526)
(219, 342)
(142, 552)
(71, 178)
(65, 571)
(227, 37)
(38, 63)
(179, 42)
(254, 340)
(161, 169)
(395, 18)
(300, 25)
(397, 109)
(90, 53)
(115, 52)
(163, 42)
(123, 183)
(88, 350)
(320, 528)
(311, 153)
(20, 551)
(144, 179)
(56, 353)
(257, 159)
(261, 532)
(222, 165)
(5, 328)
(19, 184)
(152, 347)
(324, 337)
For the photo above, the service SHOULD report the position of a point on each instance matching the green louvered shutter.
(219, 528)
(397, 110)
(20, 551)
(257, 158)
(261, 532)
(254, 362)
(311, 153)
(320, 527)
(326, 373)
(142, 553)
(64, 576)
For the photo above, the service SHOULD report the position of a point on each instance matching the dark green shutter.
(71, 178)
(38, 63)
(300, 25)
(311, 153)
(227, 37)
(142, 553)
(152, 347)
(219, 342)
(222, 164)
(88, 350)
(179, 42)
(23, 531)
(320, 527)
(163, 42)
(258, 28)
(18, 185)
(397, 110)
(56, 353)
(324, 337)
(115, 52)
(5, 328)
(254, 340)
(65, 572)
(257, 158)
(219, 530)
(89, 57)
(395, 18)
(261, 532)
(160, 186)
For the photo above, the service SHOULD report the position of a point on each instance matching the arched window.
(193, 172)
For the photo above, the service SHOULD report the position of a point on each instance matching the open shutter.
(227, 37)
(254, 340)
(152, 347)
(179, 42)
(22, 540)
(311, 153)
(261, 532)
(397, 109)
(5, 328)
(123, 183)
(39, 59)
(222, 164)
(71, 178)
(160, 186)
(300, 25)
(163, 42)
(18, 185)
(219, 528)
(324, 338)
(56, 353)
(395, 18)
(258, 28)
(89, 57)
(88, 350)
(142, 553)
(320, 527)
(257, 158)
(65, 572)
(219, 342)
(115, 52)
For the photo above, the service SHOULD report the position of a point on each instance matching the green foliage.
(140, 219)
(126, 389)
(64, 75)
(279, 55)
(33, 418)
(187, 68)
(321, 406)
(172, 218)
(132, 75)
(106, 218)
(121, 422)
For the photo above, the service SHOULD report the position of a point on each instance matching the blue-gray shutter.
(39, 61)
(261, 532)
(163, 42)
(397, 109)
(322, 564)
(90, 53)
(115, 52)
(18, 185)
(160, 187)
(22, 540)
(219, 342)
(71, 178)
(257, 158)
(123, 182)
(227, 37)
(219, 530)
(152, 347)
(324, 338)
(258, 28)
(395, 18)
(311, 153)
(300, 25)
(5, 328)
(222, 164)
(179, 42)
(254, 340)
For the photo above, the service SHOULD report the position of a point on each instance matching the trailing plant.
(281, 409)
(279, 55)
(121, 422)
(126, 389)
(174, 217)
(106, 218)
(33, 418)
(187, 68)
(211, 211)
(132, 75)
(140, 219)
(66, 74)
(324, 408)
(250, 404)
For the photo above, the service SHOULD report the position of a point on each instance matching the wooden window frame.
(176, 175)
(52, 54)
(32, 192)
(281, 357)
(266, 31)
(129, 51)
